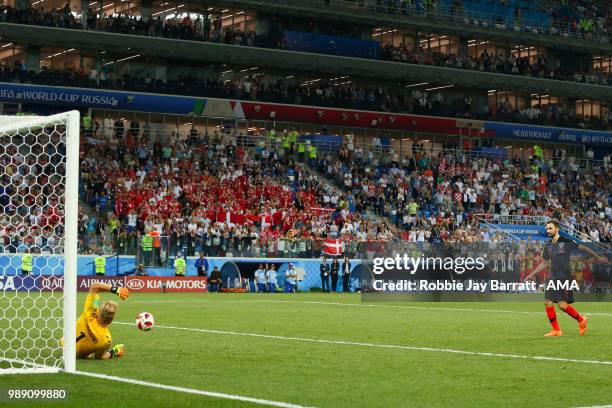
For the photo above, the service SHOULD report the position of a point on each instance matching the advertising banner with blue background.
(330, 44)
(549, 134)
(185, 105)
(535, 232)
(100, 99)
(232, 271)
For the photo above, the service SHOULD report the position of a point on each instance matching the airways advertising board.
(187, 284)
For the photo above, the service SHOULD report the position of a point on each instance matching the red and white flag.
(332, 247)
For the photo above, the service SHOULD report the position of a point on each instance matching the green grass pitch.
(290, 364)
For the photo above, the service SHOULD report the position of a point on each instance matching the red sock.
(573, 312)
(552, 316)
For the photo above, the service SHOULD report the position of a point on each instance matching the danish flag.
(332, 247)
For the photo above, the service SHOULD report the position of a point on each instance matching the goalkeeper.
(93, 336)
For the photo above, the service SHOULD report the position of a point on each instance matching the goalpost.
(39, 170)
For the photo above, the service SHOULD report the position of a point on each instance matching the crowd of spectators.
(587, 18)
(226, 195)
(205, 192)
(31, 192)
(208, 27)
(327, 93)
(433, 190)
(497, 63)
(589, 22)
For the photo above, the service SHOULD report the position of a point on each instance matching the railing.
(513, 219)
(255, 248)
(457, 15)
(403, 150)
(446, 14)
(540, 220)
(479, 220)
(569, 229)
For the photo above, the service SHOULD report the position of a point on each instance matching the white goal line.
(387, 346)
(27, 367)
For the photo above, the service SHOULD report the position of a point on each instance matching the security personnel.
(147, 248)
(180, 266)
(201, 265)
(285, 140)
(346, 274)
(100, 263)
(324, 269)
(87, 125)
(156, 242)
(271, 137)
(293, 137)
(301, 151)
(313, 155)
(26, 264)
(538, 152)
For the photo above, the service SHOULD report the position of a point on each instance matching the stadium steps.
(92, 212)
(581, 237)
(333, 184)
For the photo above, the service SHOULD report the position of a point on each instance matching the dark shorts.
(559, 295)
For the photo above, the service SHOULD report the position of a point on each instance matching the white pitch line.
(598, 406)
(384, 346)
(457, 309)
(191, 390)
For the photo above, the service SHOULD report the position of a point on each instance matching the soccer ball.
(144, 321)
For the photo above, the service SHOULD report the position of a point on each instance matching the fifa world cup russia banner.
(524, 231)
(100, 99)
(549, 134)
(226, 108)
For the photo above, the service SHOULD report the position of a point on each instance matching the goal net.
(39, 159)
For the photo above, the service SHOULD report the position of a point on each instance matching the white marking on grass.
(191, 390)
(457, 309)
(384, 346)
(169, 301)
(598, 406)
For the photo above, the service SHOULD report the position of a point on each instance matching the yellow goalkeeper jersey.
(91, 337)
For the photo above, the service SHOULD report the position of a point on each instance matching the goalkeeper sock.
(573, 312)
(552, 316)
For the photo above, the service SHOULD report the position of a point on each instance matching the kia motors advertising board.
(166, 284)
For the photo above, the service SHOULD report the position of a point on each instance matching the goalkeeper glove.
(117, 351)
(123, 293)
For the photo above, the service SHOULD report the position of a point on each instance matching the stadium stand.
(244, 195)
(183, 27)
(267, 88)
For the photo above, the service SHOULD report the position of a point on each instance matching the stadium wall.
(45, 264)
